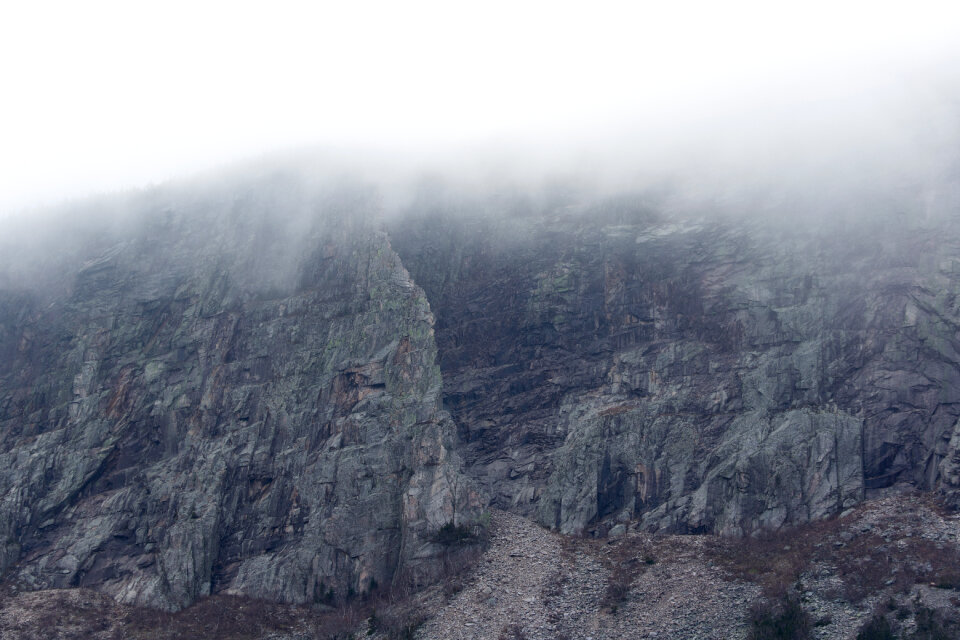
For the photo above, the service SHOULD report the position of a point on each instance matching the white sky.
(99, 94)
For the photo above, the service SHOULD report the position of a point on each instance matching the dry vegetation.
(82, 614)
(911, 622)
(626, 562)
(774, 560)
(784, 619)
(866, 562)
(883, 559)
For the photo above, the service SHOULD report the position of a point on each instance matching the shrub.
(512, 632)
(877, 628)
(948, 581)
(782, 620)
(618, 588)
(455, 535)
(934, 625)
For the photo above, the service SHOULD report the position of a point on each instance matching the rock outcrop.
(239, 389)
(238, 397)
(605, 363)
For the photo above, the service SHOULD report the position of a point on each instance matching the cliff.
(241, 389)
(605, 363)
(234, 397)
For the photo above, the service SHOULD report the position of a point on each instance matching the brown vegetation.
(626, 560)
(864, 561)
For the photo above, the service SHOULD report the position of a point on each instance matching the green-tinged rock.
(241, 396)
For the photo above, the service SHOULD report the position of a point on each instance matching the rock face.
(241, 390)
(605, 364)
(237, 397)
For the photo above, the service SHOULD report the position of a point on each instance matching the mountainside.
(222, 405)
(701, 376)
(243, 392)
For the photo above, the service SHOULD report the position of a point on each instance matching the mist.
(843, 115)
(107, 97)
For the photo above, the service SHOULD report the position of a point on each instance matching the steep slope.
(237, 388)
(239, 395)
(604, 363)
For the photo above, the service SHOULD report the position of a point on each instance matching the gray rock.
(702, 376)
(216, 397)
(227, 401)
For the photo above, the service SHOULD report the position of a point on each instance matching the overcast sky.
(100, 95)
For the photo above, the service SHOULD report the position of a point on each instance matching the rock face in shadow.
(605, 363)
(238, 396)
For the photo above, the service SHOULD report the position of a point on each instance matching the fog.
(107, 96)
(115, 119)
